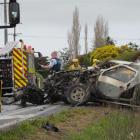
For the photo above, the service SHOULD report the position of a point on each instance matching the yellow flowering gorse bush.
(105, 53)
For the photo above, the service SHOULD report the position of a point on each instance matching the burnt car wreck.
(120, 83)
(115, 81)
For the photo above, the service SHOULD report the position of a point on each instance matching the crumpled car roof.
(121, 62)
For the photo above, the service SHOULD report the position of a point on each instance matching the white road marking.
(7, 117)
(26, 109)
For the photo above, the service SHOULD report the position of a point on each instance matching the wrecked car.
(55, 88)
(120, 82)
(69, 86)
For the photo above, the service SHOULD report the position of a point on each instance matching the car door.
(115, 80)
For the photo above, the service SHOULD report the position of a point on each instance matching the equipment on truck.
(17, 69)
(13, 68)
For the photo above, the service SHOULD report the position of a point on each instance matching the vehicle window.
(121, 73)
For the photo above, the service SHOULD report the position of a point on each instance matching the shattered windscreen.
(121, 73)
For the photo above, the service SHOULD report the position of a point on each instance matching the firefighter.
(75, 65)
(95, 62)
(55, 63)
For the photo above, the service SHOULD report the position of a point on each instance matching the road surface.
(14, 114)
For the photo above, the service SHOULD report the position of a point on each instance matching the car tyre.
(136, 95)
(77, 94)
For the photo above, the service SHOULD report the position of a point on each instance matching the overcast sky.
(45, 23)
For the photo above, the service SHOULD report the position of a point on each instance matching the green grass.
(29, 128)
(23, 130)
(115, 126)
(119, 125)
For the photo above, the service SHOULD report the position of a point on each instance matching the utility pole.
(5, 22)
(14, 34)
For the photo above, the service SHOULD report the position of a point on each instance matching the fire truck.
(18, 69)
(5, 63)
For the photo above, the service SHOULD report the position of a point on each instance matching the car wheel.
(136, 95)
(77, 94)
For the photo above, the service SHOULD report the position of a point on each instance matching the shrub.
(105, 53)
(84, 60)
(128, 54)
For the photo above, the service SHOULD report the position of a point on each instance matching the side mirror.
(14, 13)
(38, 54)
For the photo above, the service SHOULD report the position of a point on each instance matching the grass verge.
(81, 124)
(115, 126)
(28, 128)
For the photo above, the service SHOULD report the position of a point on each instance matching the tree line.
(103, 46)
(101, 35)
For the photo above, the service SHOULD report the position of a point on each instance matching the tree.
(70, 43)
(86, 42)
(64, 56)
(74, 35)
(133, 45)
(100, 32)
(109, 41)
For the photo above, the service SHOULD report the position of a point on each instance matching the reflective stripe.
(20, 52)
(17, 84)
(20, 80)
(19, 57)
(20, 68)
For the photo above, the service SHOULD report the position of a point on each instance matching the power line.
(63, 37)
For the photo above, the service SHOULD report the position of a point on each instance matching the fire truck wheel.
(23, 103)
(77, 94)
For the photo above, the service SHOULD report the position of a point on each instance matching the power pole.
(14, 34)
(5, 22)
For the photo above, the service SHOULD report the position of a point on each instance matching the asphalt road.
(14, 114)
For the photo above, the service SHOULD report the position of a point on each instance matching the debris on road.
(50, 127)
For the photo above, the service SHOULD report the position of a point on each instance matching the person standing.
(55, 63)
(75, 65)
